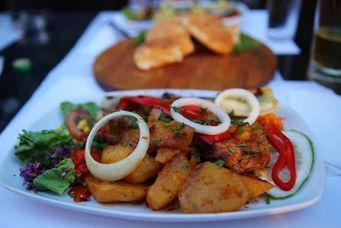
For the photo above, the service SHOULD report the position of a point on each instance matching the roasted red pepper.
(79, 193)
(126, 103)
(286, 158)
(194, 112)
(78, 159)
(211, 139)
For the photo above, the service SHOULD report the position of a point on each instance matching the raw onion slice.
(242, 94)
(208, 130)
(120, 169)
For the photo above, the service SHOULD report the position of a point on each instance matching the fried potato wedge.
(115, 153)
(256, 186)
(171, 135)
(148, 168)
(168, 182)
(112, 192)
(211, 189)
(164, 155)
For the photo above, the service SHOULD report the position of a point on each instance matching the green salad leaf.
(246, 43)
(140, 38)
(58, 179)
(35, 144)
(129, 13)
(91, 107)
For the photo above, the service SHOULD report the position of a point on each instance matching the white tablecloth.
(319, 106)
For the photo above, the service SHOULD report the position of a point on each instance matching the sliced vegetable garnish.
(78, 123)
(211, 139)
(200, 128)
(223, 102)
(286, 159)
(304, 152)
(126, 103)
(120, 169)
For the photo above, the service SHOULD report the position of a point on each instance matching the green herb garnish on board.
(246, 43)
(140, 38)
(129, 13)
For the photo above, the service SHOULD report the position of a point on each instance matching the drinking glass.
(325, 60)
(283, 17)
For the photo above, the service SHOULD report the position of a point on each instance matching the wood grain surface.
(115, 69)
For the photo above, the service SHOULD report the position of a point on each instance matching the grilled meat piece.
(243, 156)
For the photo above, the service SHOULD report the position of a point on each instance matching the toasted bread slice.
(209, 31)
(172, 29)
(157, 53)
(165, 28)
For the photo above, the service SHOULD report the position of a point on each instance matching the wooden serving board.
(115, 69)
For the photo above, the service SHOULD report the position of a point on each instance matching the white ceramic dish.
(308, 195)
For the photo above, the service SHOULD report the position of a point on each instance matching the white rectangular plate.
(308, 195)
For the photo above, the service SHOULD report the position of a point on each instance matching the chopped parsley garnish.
(140, 38)
(197, 156)
(231, 150)
(246, 149)
(239, 122)
(185, 167)
(164, 117)
(175, 109)
(220, 163)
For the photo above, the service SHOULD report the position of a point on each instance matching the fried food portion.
(247, 151)
(164, 155)
(148, 168)
(212, 189)
(165, 28)
(157, 53)
(112, 154)
(112, 192)
(256, 186)
(173, 31)
(167, 184)
(209, 31)
(170, 134)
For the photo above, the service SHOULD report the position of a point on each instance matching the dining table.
(73, 79)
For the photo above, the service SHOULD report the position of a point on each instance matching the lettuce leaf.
(35, 144)
(58, 179)
(91, 107)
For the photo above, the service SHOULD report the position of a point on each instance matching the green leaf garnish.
(246, 43)
(140, 38)
(220, 163)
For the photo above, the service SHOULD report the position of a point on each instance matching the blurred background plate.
(115, 69)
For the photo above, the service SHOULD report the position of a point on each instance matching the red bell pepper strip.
(126, 103)
(211, 139)
(286, 158)
(195, 113)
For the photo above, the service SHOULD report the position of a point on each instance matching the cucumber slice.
(304, 155)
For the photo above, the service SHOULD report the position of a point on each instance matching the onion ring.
(120, 169)
(204, 129)
(246, 95)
